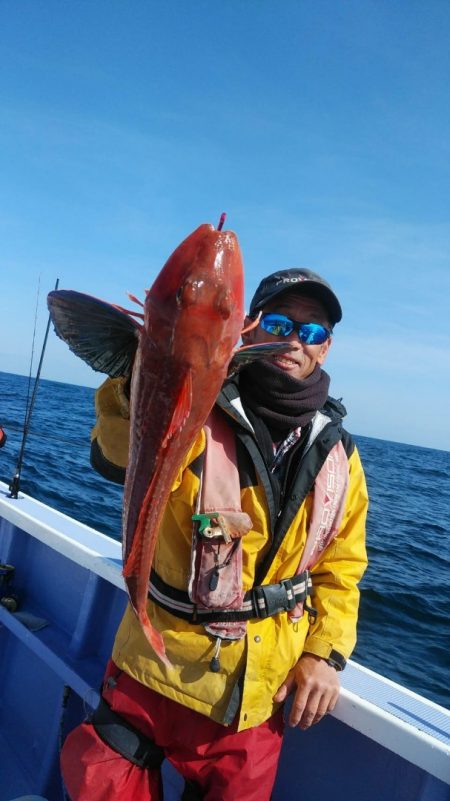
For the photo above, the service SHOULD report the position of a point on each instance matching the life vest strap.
(259, 602)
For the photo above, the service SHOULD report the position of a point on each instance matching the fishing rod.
(14, 487)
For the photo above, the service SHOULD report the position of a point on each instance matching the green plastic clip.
(204, 521)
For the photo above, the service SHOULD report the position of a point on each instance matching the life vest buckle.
(273, 598)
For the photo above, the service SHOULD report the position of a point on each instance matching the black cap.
(299, 279)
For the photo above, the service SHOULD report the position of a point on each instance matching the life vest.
(219, 525)
(215, 597)
(2, 437)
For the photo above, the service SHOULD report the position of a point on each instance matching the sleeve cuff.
(325, 650)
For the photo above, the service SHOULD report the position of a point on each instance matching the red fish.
(182, 352)
(193, 317)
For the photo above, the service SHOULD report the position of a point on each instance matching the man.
(217, 715)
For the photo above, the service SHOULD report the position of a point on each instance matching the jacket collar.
(229, 400)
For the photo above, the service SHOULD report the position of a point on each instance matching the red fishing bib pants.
(224, 764)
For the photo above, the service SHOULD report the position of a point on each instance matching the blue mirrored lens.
(281, 326)
(312, 333)
(277, 324)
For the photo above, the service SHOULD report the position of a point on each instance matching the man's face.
(300, 362)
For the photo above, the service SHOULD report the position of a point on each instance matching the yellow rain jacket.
(253, 668)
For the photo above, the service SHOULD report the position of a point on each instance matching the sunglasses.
(281, 326)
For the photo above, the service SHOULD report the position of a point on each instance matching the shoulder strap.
(220, 492)
(215, 580)
(330, 493)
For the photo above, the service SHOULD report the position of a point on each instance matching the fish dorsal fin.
(182, 409)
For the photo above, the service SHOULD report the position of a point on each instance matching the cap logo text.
(292, 280)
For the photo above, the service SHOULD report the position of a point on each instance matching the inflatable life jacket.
(2, 437)
(215, 597)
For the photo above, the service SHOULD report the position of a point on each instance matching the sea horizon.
(103, 377)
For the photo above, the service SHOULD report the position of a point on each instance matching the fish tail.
(154, 638)
(138, 603)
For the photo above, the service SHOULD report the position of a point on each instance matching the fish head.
(195, 308)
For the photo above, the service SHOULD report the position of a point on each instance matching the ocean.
(404, 622)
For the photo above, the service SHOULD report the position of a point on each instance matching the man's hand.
(316, 687)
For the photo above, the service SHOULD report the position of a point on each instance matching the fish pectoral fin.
(182, 409)
(247, 354)
(103, 335)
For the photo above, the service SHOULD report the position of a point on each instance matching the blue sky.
(322, 128)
